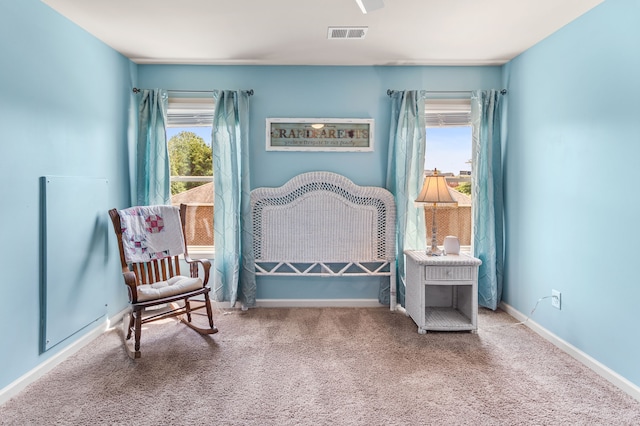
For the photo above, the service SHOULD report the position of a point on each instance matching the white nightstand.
(442, 291)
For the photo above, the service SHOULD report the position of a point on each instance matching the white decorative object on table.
(442, 291)
(451, 245)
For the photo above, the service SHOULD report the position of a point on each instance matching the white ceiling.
(294, 32)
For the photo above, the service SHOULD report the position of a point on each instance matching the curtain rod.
(391, 92)
(136, 90)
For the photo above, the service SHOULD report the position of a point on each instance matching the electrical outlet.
(555, 299)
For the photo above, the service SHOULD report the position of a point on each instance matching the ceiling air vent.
(346, 33)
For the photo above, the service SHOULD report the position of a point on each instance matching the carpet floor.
(322, 366)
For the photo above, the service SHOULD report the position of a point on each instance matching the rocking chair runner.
(153, 278)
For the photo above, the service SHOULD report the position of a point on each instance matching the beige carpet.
(335, 366)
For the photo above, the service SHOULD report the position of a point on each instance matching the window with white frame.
(448, 149)
(189, 125)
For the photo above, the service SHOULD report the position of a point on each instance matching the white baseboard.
(318, 303)
(304, 303)
(602, 370)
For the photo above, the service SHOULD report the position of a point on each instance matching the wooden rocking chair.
(158, 281)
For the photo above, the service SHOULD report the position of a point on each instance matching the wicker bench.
(322, 224)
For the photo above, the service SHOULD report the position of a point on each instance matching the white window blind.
(190, 112)
(448, 112)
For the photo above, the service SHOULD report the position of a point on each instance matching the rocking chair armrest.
(130, 280)
(193, 266)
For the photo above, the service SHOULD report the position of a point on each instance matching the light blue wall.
(571, 162)
(324, 92)
(64, 110)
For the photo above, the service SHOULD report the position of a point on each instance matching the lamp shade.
(435, 191)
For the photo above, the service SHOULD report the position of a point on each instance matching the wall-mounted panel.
(73, 259)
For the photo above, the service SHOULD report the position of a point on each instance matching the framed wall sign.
(320, 134)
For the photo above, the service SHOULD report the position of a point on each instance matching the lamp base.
(434, 251)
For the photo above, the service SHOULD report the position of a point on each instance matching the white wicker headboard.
(321, 223)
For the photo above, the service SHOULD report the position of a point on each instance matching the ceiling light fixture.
(367, 6)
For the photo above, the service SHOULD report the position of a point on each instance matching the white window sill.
(202, 253)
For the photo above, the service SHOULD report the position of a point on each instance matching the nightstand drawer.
(449, 273)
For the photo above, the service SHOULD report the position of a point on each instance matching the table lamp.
(435, 191)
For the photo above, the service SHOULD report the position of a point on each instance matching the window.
(189, 124)
(448, 149)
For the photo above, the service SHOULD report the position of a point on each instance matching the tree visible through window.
(190, 156)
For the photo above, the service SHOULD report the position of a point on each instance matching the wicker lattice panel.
(323, 217)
